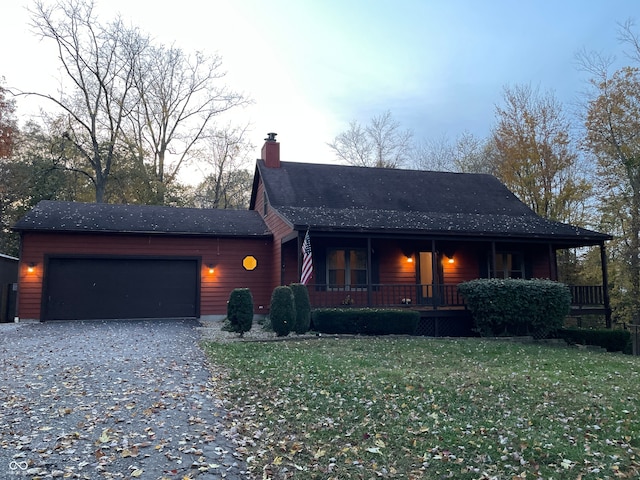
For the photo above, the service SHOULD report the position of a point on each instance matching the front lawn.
(429, 408)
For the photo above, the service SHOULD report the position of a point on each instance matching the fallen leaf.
(104, 436)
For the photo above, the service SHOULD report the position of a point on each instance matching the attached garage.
(127, 287)
(101, 261)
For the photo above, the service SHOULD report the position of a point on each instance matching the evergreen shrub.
(612, 340)
(240, 310)
(303, 307)
(365, 321)
(517, 307)
(282, 311)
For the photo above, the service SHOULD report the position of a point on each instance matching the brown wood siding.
(540, 263)
(465, 267)
(280, 229)
(225, 254)
(393, 264)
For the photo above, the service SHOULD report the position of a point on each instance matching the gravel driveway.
(116, 399)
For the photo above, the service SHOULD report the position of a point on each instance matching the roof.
(141, 219)
(338, 197)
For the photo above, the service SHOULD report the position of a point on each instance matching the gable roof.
(141, 219)
(338, 197)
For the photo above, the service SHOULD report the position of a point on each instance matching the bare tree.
(126, 99)
(434, 154)
(381, 143)
(473, 155)
(468, 154)
(228, 183)
(627, 35)
(178, 96)
(96, 65)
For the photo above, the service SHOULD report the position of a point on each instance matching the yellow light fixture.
(409, 259)
(31, 267)
(211, 269)
(249, 262)
(451, 260)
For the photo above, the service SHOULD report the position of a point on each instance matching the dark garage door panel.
(92, 288)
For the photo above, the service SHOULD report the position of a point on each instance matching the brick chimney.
(271, 151)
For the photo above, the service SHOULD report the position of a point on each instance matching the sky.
(311, 67)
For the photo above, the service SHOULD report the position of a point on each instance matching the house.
(380, 237)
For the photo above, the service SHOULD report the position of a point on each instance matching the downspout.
(605, 285)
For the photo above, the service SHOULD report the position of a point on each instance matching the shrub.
(517, 307)
(303, 307)
(612, 340)
(240, 310)
(282, 311)
(366, 321)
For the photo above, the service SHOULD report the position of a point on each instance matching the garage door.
(106, 288)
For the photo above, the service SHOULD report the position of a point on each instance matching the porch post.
(605, 285)
(436, 276)
(299, 240)
(369, 267)
(553, 263)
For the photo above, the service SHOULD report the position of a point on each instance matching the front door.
(425, 277)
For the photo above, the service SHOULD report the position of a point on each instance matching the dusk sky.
(313, 66)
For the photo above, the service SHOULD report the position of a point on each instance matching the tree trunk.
(634, 253)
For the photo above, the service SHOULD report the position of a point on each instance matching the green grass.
(429, 408)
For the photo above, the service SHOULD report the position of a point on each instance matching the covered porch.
(424, 273)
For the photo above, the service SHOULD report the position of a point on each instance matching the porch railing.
(425, 296)
(386, 295)
(586, 295)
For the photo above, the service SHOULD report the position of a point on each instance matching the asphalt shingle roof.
(101, 217)
(338, 197)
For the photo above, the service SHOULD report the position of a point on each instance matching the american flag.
(307, 263)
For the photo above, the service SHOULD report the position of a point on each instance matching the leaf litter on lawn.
(113, 400)
(429, 408)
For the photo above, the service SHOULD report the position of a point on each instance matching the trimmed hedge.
(365, 321)
(303, 307)
(240, 310)
(517, 307)
(612, 340)
(282, 311)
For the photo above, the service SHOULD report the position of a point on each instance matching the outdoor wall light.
(249, 263)
(409, 259)
(450, 260)
(31, 266)
(211, 269)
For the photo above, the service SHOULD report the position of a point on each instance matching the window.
(508, 265)
(347, 268)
